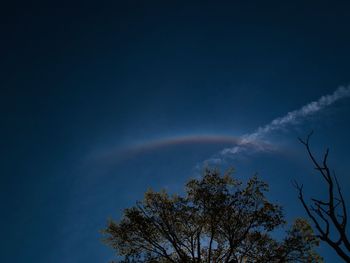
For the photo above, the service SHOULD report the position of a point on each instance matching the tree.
(329, 216)
(218, 220)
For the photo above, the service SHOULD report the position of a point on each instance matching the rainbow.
(135, 148)
(182, 140)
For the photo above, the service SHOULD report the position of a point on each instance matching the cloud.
(255, 141)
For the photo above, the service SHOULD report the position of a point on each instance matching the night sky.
(102, 101)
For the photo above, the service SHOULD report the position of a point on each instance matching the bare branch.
(326, 211)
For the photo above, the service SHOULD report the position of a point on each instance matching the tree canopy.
(219, 219)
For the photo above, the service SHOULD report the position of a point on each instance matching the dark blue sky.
(80, 83)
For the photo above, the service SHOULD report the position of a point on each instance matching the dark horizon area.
(102, 100)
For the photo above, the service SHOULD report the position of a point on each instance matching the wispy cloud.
(255, 141)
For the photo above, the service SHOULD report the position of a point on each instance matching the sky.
(101, 101)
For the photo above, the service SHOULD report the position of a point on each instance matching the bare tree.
(329, 216)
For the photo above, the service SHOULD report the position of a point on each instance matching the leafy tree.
(328, 215)
(218, 220)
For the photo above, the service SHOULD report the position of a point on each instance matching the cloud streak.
(291, 118)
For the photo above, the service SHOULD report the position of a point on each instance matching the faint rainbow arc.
(133, 149)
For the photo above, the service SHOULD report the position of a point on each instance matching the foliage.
(218, 220)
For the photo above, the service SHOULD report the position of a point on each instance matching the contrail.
(291, 118)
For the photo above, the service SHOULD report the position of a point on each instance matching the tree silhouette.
(218, 220)
(329, 216)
